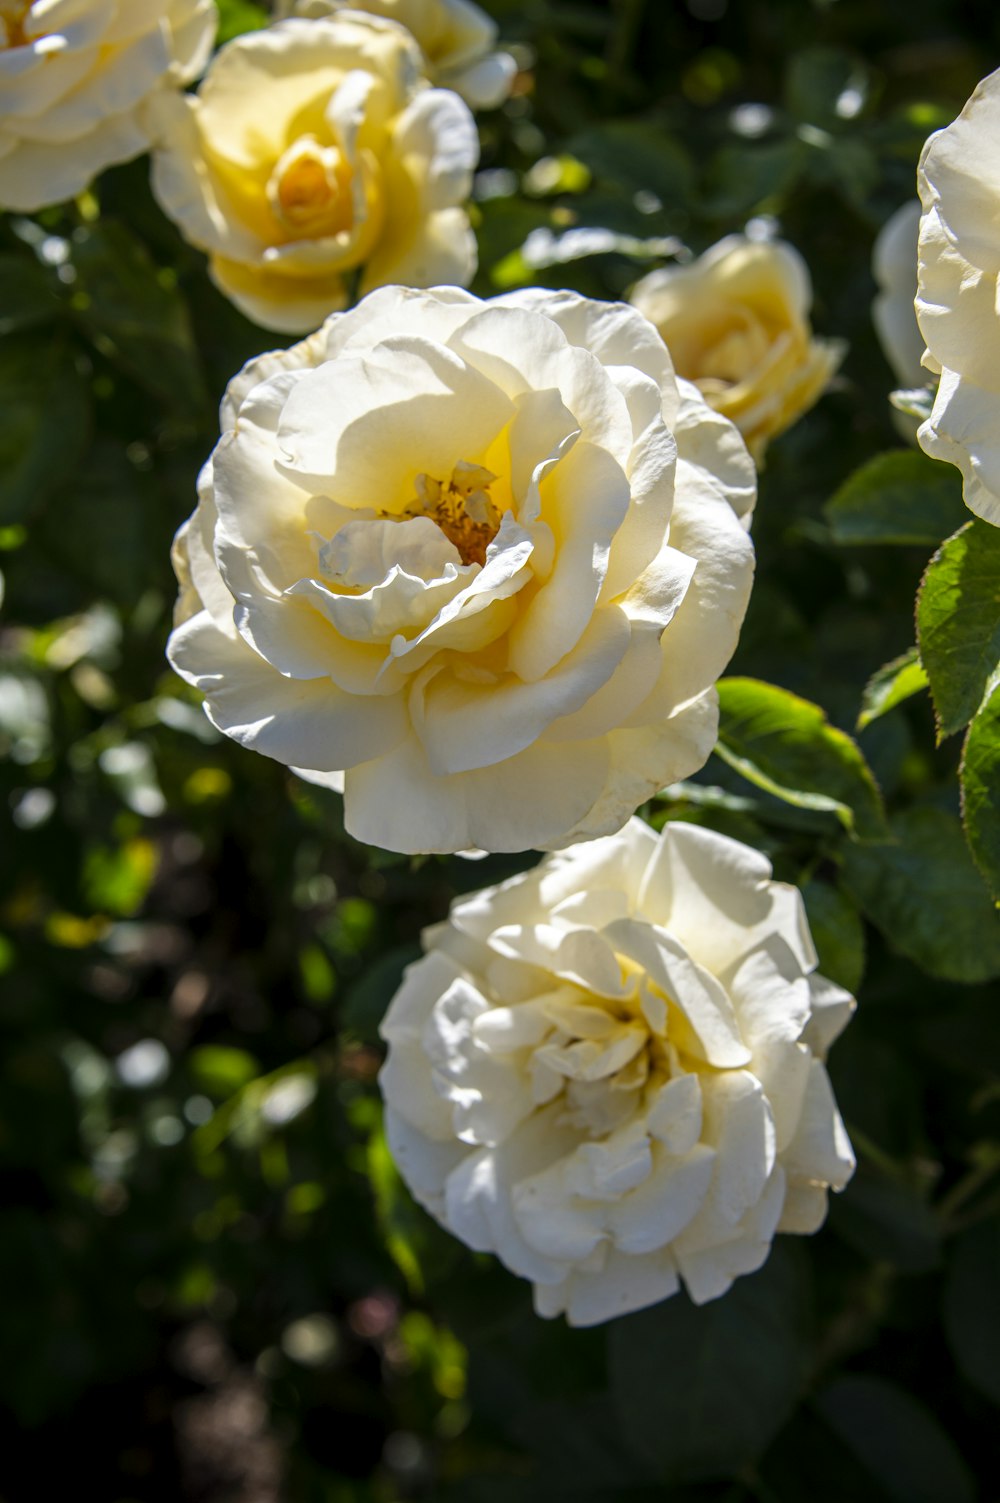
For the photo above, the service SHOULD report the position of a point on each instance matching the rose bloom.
(959, 294)
(314, 151)
(75, 77)
(457, 39)
(609, 1071)
(486, 559)
(736, 321)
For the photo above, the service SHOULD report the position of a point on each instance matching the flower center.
(600, 1057)
(310, 189)
(13, 14)
(462, 507)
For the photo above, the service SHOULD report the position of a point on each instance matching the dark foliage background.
(215, 1287)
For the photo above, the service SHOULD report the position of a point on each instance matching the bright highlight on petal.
(608, 1114)
(445, 551)
(958, 295)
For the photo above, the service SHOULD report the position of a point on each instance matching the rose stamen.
(462, 508)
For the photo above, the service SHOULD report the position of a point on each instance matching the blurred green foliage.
(217, 1288)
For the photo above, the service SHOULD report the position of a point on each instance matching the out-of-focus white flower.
(894, 267)
(75, 79)
(457, 38)
(609, 1071)
(315, 151)
(479, 563)
(958, 297)
(736, 322)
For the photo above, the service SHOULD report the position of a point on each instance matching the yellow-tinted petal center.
(310, 189)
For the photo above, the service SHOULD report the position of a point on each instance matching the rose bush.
(314, 151)
(457, 39)
(75, 77)
(736, 322)
(487, 559)
(609, 1071)
(958, 292)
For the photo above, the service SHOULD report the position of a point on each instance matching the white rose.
(314, 152)
(485, 559)
(457, 38)
(958, 295)
(736, 322)
(75, 77)
(609, 1071)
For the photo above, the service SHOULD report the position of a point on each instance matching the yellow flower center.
(310, 189)
(13, 14)
(462, 507)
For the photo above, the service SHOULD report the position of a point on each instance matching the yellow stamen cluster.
(462, 508)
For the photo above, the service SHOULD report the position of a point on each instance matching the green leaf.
(899, 497)
(981, 789)
(972, 1307)
(897, 1440)
(826, 85)
(787, 746)
(890, 685)
(26, 295)
(744, 179)
(923, 892)
(637, 156)
(44, 422)
(135, 314)
(702, 1390)
(368, 999)
(238, 16)
(838, 934)
(958, 622)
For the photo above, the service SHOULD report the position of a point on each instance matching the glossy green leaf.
(899, 497)
(702, 1390)
(786, 745)
(958, 622)
(838, 933)
(897, 1439)
(981, 789)
(892, 684)
(922, 891)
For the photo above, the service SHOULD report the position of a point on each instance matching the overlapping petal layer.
(484, 560)
(958, 294)
(456, 37)
(609, 1071)
(76, 77)
(736, 321)
(314, 151)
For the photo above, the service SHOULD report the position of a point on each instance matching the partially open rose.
(609, 1071)
(313, 153)
(484, 559)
